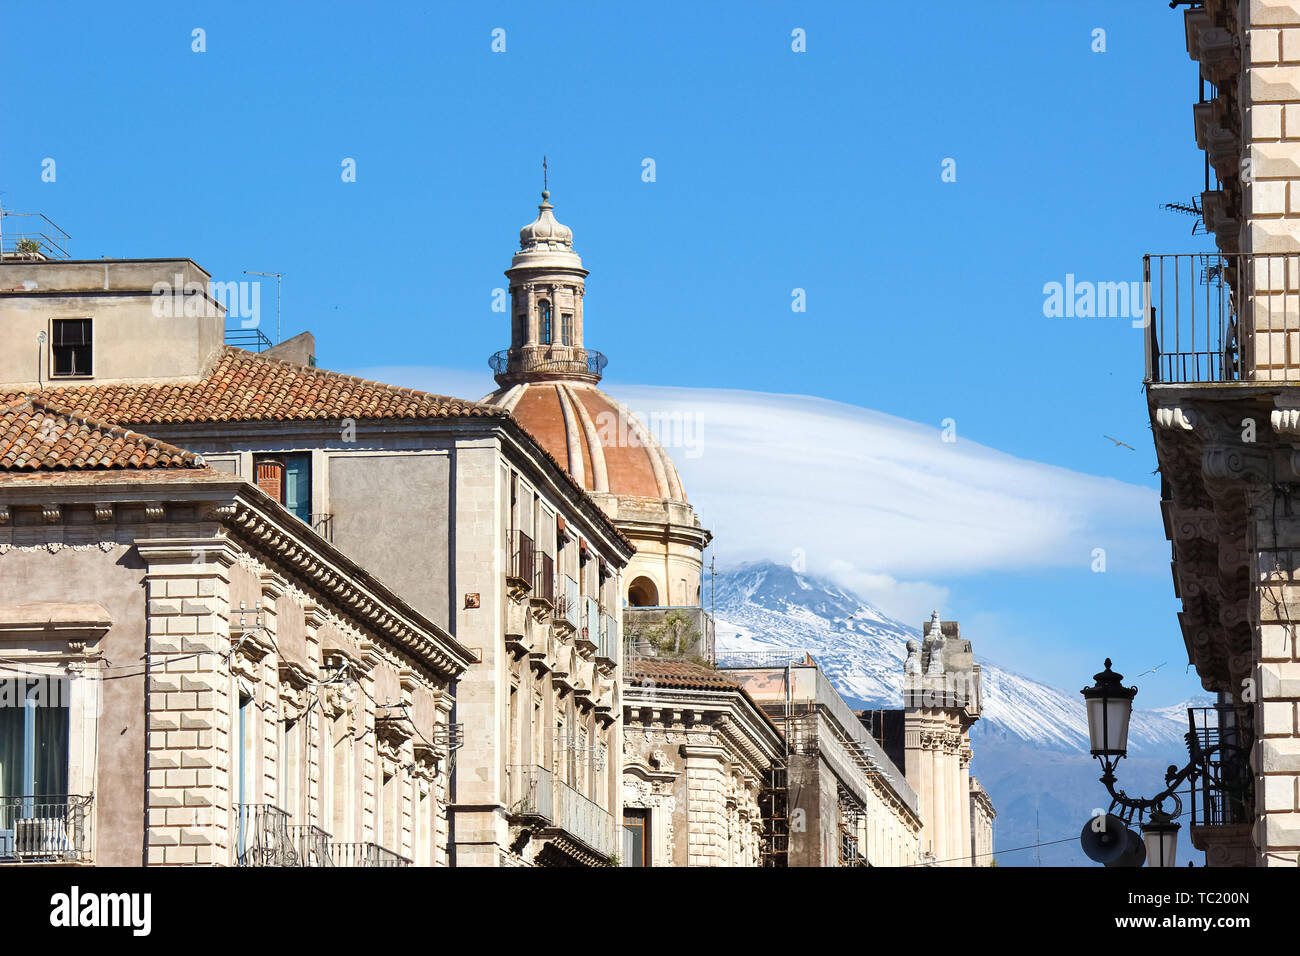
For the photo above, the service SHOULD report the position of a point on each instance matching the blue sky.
(775, 170)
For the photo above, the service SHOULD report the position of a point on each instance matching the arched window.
(643, 593)
(544, 321)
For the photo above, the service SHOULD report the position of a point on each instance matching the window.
(34, 739)
(566, 328)
(636, 837)
(287, 479)
(34, 802)
(70, 347)
(544, 321)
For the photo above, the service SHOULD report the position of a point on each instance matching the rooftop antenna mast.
(278, 277)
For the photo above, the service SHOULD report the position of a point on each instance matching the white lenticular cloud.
(882, 504)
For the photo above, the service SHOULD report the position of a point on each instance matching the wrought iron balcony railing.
(1220, 317)
(365, 854)
(585, 820)
(532, 792)
(1223, 793)
(544, 586)
(45, 829)
(520, 558)
(262, 836)
(323, 525)
(312, 845)
(560, 359)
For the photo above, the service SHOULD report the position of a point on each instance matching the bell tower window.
(566, 328)
(544, 323)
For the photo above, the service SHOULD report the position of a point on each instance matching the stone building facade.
(449, 502)
(1225, 415)
(698, 754)
(982, 813)
(841, 801)
(941, 701)
(233, 690)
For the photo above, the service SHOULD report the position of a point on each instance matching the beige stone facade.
(982, 813)
(941, 697)
(698, 756)
(841, 801)
(241, 692)
(1224, 422)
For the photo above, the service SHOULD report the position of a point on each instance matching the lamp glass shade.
(1109, 706)
(1162, 843)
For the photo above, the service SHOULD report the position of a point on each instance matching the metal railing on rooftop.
(254, 340)
(46, 829)
(34, 237)
(671, 632)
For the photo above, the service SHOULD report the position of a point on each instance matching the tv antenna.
(278, 277)
(1189, 209)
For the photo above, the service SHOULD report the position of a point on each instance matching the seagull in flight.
(1118, 443)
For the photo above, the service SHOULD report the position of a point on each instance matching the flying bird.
(1118, 442)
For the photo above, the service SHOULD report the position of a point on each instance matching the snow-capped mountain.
(1031, 750)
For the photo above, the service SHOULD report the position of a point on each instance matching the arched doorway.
(642, 593)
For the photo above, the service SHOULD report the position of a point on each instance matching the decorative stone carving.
(51, 513)
(103, 511)
(1173, 417)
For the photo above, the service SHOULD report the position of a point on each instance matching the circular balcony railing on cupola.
(540, 365)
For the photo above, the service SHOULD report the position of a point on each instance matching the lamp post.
(1110, 706)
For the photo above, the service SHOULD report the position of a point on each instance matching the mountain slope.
(1031, 747)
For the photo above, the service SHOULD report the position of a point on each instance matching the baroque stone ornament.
(1174, 417)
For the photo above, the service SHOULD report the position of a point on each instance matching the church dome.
(602, 445)
(545, 232)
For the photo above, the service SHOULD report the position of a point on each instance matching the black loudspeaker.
(1135, 854)
(1105, 839)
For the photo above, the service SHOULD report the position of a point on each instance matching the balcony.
(521, 570)
(262, 836)
(539, 364)
(1221, 317)
(672, 632)
(585, 821)
(589, 631)
(607, 643)
(532, 793)
(45, 829)
(323, 525)
(567, 610)
(365, 854)
(312, 845)
(544, 583)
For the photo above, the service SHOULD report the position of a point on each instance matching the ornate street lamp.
(1161, 836)
(1110, 705)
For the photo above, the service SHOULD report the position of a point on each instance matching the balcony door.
(33, 756)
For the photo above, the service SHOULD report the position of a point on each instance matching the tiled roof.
(247, 387)
(674, 673)
(37, 435)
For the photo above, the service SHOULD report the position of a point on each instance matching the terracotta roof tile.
(675, 673)
(37, 435)
(247, 387)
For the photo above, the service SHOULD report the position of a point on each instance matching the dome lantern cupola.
(547, 285)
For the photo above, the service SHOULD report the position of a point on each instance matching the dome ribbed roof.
(604, 446)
